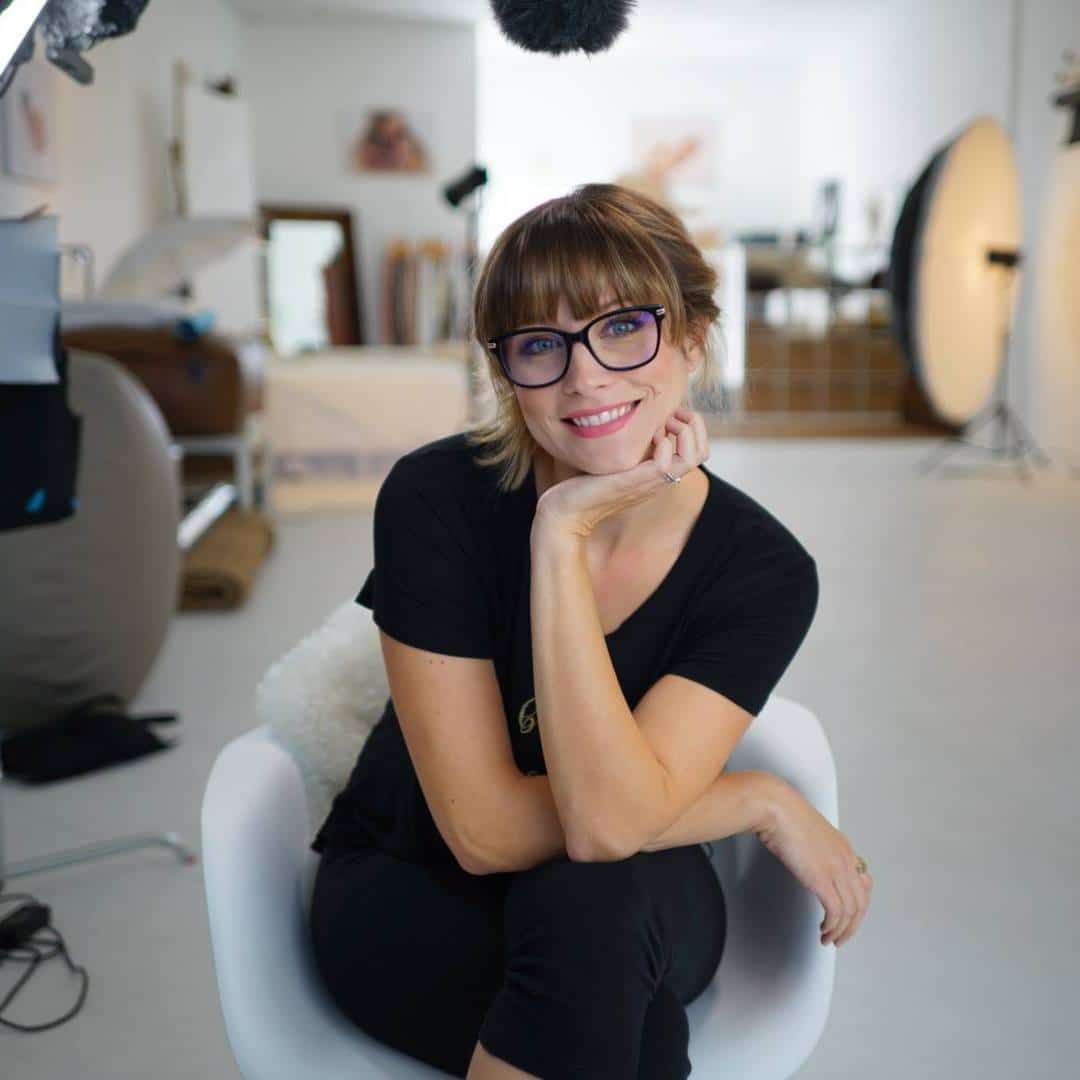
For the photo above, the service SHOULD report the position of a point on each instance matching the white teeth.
(600, 418)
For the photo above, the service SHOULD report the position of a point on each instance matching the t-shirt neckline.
(682, 564)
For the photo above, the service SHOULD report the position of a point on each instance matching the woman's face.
(659, 387)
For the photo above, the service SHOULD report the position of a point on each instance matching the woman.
(579, 622)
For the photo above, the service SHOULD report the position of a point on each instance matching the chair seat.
(758, 1020)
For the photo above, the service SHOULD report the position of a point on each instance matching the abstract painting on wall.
(684, 148)
(673, 159)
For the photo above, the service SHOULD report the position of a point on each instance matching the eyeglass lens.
(626, 339)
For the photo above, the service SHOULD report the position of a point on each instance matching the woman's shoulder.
(449, 460)
(753, 533)
(445, 478)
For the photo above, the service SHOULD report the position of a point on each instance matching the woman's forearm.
(531, 832)
(736, 802)
(605, 778)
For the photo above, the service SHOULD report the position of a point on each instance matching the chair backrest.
(254, 840)
(770, 913)
(258, 871)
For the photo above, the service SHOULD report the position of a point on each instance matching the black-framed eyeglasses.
(620, 340)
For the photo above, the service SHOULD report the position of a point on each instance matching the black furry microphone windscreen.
(562, 26)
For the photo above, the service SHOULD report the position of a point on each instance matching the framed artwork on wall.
(386, 140)
(28, 136)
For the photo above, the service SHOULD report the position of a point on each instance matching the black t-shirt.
(452, 575)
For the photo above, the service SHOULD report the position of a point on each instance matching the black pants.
(566, 970)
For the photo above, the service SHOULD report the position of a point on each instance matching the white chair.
(758, 1020)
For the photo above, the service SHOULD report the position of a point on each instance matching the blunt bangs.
(566, 251)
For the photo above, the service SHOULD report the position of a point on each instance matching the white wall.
(801, 92)
(299, 73)
(1047, 390)
(112, 136)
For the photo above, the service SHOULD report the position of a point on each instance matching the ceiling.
(445, 10)
(458, 10)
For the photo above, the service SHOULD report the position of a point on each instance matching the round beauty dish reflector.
(952, 305)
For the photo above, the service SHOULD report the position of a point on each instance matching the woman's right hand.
(822, 859)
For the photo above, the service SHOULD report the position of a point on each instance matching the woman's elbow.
(594, 849)
(473, 856)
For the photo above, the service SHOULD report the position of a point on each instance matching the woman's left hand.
(582, 502)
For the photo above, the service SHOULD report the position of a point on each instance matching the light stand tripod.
(472, 256)
(456, 192)
(1012, 439)
(88, 852)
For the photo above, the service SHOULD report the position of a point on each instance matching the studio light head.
(461, 188)
(17, 18)
(68, 27)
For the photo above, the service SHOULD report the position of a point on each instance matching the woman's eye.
(621, 327)
(541, 345)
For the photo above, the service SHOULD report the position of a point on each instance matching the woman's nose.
(585, 369)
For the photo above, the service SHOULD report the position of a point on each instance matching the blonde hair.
(600, 237)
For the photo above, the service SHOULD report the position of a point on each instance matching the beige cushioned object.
(87, 601)
(370, 405)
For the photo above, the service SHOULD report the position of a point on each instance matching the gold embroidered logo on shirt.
(527, 716)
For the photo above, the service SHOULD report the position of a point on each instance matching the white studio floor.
(944, 663)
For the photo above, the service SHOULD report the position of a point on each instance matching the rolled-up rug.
(220, 568)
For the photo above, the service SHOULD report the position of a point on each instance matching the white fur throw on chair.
(323, 697)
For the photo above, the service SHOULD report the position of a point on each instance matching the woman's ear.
(696, 335)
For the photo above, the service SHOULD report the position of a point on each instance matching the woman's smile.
(589, 429)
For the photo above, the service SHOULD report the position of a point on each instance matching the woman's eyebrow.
(603, 309)
(609, 305)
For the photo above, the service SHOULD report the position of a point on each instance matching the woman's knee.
(585, 912)
(600, 891)
(404, 956)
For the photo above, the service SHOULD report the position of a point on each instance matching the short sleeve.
(427, 588)
(748, 626)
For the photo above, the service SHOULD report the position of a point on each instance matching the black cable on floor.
(31, 952)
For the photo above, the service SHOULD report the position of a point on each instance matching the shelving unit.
(829, 366)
